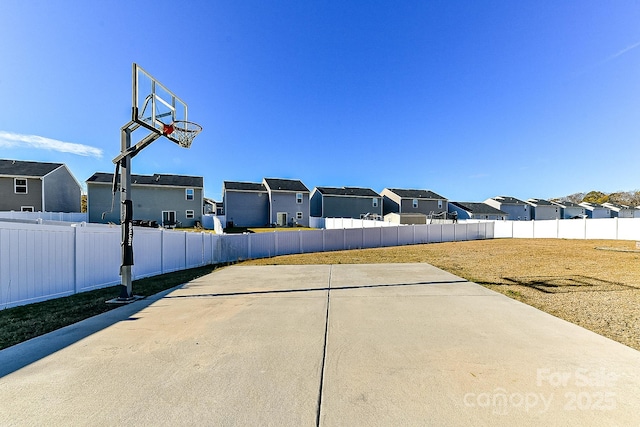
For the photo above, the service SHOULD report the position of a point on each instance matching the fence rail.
(41, 261)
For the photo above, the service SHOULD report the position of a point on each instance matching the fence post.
(249, 254)
(162, 251)
(275, 242)
(76, 252)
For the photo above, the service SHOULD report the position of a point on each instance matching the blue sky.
(470, 99)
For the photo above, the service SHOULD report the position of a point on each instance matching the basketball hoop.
(183, 132)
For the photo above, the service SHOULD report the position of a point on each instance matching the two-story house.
(246, 204)
(474, 210)
(570, 210)
(38, 187)
(516, 208)
(543, 209)
(346, 202)
(168, 200)
(288, 202)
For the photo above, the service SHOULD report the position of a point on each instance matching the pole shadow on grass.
(566, 284)
(23, 354)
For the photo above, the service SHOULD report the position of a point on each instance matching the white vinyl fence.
(40, 262)
(46, 216)
(599, 228)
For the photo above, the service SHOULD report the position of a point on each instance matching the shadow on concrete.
(324, 288)
(23, 354)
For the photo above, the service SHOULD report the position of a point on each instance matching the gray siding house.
(620, 211)
(288, 202)
(396, 200)
(516, 208)
(346, 202)
(169, 200)
(246, 204)
(38, 187)
(473, 210)
(595, 210)
(543, 209)
(570, 210)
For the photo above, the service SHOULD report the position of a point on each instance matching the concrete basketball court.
(356, 345)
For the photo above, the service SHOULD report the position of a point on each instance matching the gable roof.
(244, 186)
(285, 184)
(415, 194)
(567, 204)
(25, 168)
(478, 208)
(347, 191)
(509, 200)
(157, 179)
(540, 202)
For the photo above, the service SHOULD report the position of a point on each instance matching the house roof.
(285, 184)
(616, 206)
(509, 200)
(416, 194)
(589, 205)
(567, 204)
(244, 186)
(24, 168)
(478, 208)
(347, 191)
(157, 179)
(540, 202)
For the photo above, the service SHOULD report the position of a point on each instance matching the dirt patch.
(571, 279)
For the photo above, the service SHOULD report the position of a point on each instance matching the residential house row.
(178, 200)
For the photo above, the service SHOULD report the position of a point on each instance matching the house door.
(282, 219)
(168, 218)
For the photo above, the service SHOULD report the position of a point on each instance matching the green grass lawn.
(22, 323)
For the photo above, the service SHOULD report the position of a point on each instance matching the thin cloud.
(622, 52)
(16, 140)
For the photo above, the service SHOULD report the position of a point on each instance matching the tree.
(83, 203)
(596, 197)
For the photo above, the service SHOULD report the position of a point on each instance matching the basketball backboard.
(155, 106)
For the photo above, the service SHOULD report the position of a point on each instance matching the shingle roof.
(540, 202)
(567, 204)
(244, 186)
(509, 200)
(478, 208)
(347, 191)
(157, 179)
(416, 194)
(24, 168)
(285, 184)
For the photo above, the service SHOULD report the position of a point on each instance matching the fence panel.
(98, 257)
(405, 235)
(372, 238)
(572, 229)
(147, 249)
(288, 242)
(601, 228)
(35, 264)
(545, 229)
(523, 229)
(354, 238)
(262, 245)
(629, 228)
(389, 236)
(173, 251)
(448, 232)
(333, 239)
(193, 250)
(311, 240)
(234, 247)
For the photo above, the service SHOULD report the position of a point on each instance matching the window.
(298, 215)
(189, 214)
(415, 203)
(20, 186)
(189, 194)
(26, 208)
(375, 202)
(299, 198)
(439, 204)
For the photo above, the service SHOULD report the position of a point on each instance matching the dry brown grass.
(593, 283)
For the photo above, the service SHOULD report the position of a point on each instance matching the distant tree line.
(629, 198)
